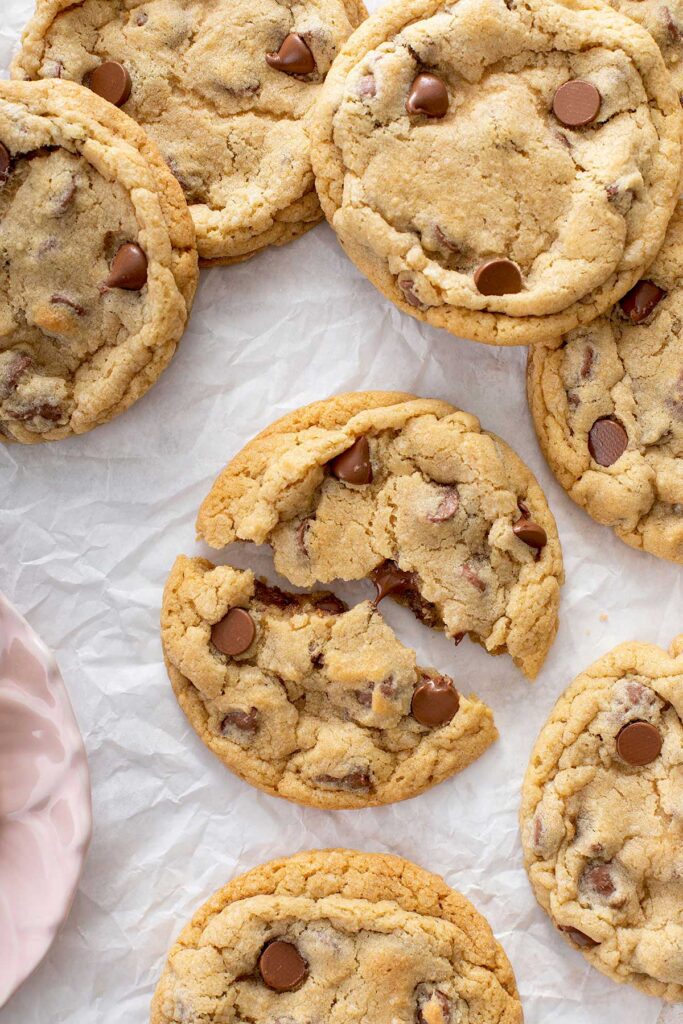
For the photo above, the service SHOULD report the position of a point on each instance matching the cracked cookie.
(224, 88)
(504, 169)
(608, 409)
(664, 21)
(443, 515)
(602, 816)
(308, 700)
(338, 936)
(98, 266)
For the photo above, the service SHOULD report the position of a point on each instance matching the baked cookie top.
(602, 816)
(442, 514)
(308, 700)
(608, 409)
(338, 936)
(664, 20)
(204, 79)
(504, 170)
(98, 266)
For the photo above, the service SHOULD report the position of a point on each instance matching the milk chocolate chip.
(294, 56)
(389, 579)
(530, 532)
(639, 743)
(128, 269)
(641, 301)
(576, 103)
(235, 633)
(607, 441)
(428, 95)
(282, 966)
(5, 163)
(435, 701)
(112, 82)
(579, 938)
(498, 277)
(353, 466)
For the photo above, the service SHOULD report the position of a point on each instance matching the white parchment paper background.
(88, 531)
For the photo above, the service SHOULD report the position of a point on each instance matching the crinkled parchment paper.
(90, 527)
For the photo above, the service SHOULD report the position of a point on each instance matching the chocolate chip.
(367, 87)
(599, 878)
(437, 1006)
(273, 595)
(577, 103)
(282, 966)
(128, 269)
(607, 441)
(641, 301)
(329, 604)
(498, 277)
(235, 633)
(579, 938)
(530, 532)
(111, 81)
(447, 507)
(244, 721)
(407, 286)
(435, 701)
(471, 576)
(639, 743)
(13, 372)
(428, 95)
(294, 56)
(355, 781)
(364, 697)
(301, 531)
(43, 411)
(587, 364)
(5, 163)
(353, 466)
(389, 579)
(64, 300)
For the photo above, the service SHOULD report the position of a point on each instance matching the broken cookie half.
(308, 700)
(412, 493)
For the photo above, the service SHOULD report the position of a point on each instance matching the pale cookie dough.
(98, 265)
(307, 700)
(608, 409)
(664, 20)
(602, 816)
(513, 209)
(448, 503)
(360, 937)
(231, 127)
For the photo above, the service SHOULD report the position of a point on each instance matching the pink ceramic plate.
(45, 812)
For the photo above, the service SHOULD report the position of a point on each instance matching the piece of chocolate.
(607, 441)
(235, 633)
(435, 701)
(389, 579)
(294, 56)
(428, 95)
(243, 721)
(641, 301)
(128, 269)
(498, 277)
(353, 466)
(282, 966)
(639, 743)
(112, 82)
(5, 163)
(576, 103)
(530, 532)
(578, 938)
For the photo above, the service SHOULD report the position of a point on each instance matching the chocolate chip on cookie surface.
(308, 700)
(435, 517)
(602, 816)
(607, 403)
(225, 89)
(356, 937)
(558, 127)
(98, 265)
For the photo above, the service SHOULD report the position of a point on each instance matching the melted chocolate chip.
(294, 56)
(447, 507)
(389, 579)
(355, 781)
(273, 595)
(128, 269)
(639, 743)
(579, 938)
(112, 82)
(246, 722)
(282, 966)
(599, 878)
(641, 301)
(5, 163)
(428, 95)
(435, 701)
(235, 633)
(607, 441)
(353, 466)
(498, 277)
(330, 604)
(576, 103)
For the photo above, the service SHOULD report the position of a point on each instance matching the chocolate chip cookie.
(608, 409)
(224, 87)
(98, 265)
(664, 20)
(602, 816)
(504, 170)
(412, 493)
(338, 936)
(308, 700)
